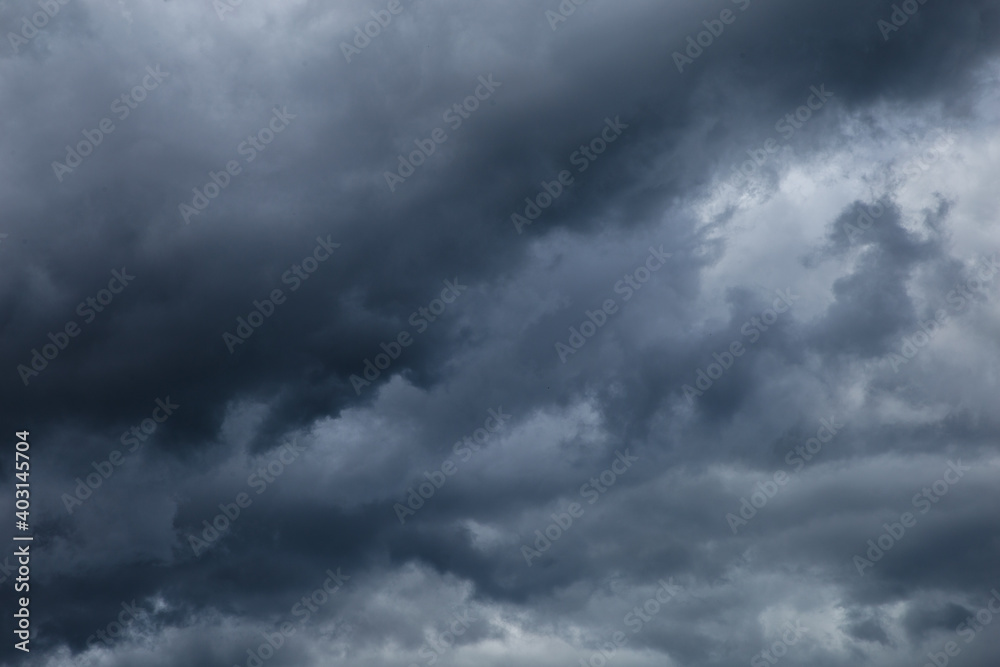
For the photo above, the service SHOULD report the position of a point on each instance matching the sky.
(395, 333)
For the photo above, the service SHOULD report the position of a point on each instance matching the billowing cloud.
(423, 332)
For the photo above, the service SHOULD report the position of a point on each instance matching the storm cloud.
(413, 332)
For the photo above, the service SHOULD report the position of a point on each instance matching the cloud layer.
(427, 332)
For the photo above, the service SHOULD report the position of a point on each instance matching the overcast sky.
(425, 332)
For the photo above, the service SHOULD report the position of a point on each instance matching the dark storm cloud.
(320, 182)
